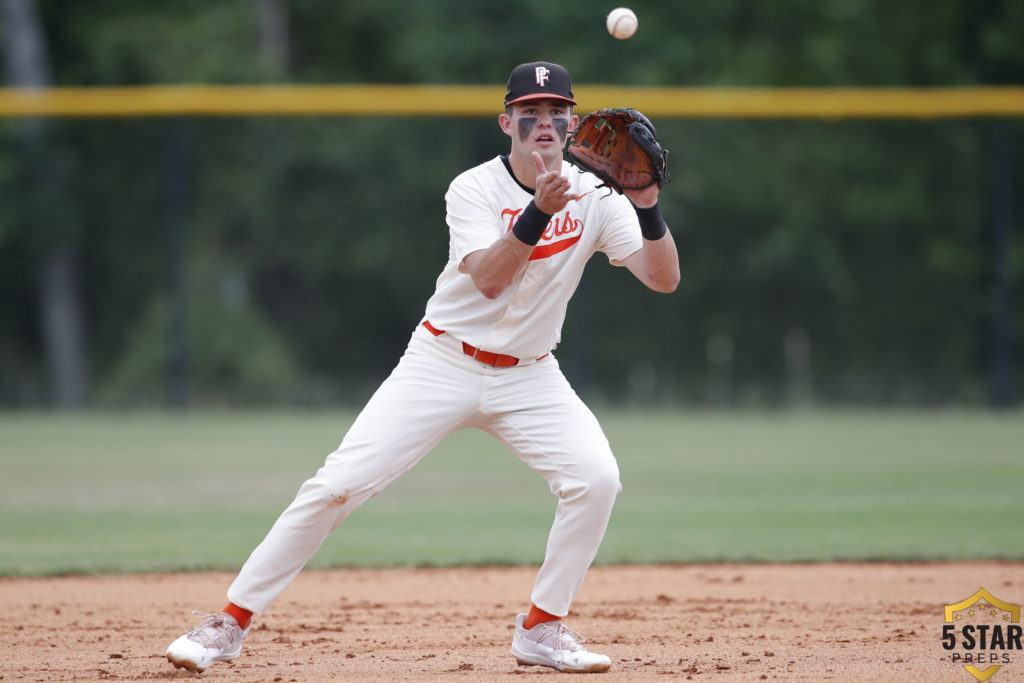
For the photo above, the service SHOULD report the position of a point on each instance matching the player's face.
(539, 125)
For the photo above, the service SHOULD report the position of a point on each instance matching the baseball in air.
(622, 23)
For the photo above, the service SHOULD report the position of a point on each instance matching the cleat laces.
(571, 641)
(214, 633)
(561, 637)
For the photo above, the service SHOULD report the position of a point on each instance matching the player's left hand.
(643, 198)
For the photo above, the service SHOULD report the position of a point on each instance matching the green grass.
(130, 492)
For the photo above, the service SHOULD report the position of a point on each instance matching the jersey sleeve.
(621, 235)
(470, 217)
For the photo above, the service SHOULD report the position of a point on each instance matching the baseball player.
(522, 228)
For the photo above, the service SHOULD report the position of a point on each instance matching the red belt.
(497, 360)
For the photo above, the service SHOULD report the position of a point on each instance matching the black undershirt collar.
(508, 167)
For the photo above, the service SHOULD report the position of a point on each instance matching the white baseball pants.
(435, 390)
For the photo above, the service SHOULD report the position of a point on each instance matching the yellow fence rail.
(472, 100)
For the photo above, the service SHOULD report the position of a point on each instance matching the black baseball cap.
(539, 81)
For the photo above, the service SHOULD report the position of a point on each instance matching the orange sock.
(538, 616)
(241, 615)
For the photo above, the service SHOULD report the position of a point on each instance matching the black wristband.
(531, 225)
(652, 225)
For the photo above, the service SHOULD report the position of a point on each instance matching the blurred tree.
(56, 232)
(275, 37)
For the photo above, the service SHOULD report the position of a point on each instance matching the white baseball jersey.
(526, 319)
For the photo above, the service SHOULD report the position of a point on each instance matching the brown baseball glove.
(619, 146)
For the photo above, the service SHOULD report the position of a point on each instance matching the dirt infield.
(844, 622)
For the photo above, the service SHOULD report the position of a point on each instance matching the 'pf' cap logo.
(542, 74)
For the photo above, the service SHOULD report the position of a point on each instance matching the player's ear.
(505, 121)
(573, 122)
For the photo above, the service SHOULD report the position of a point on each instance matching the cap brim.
(540, 96)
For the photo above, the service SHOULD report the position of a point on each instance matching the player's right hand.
(551, 192)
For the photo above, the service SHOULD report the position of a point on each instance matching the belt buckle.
(495, 360)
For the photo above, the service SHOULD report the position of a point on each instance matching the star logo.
(982, 632)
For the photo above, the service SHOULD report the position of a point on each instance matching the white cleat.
(556, 645)
(218, 639)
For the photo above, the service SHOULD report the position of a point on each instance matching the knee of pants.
(598, 484)
(320, 492)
